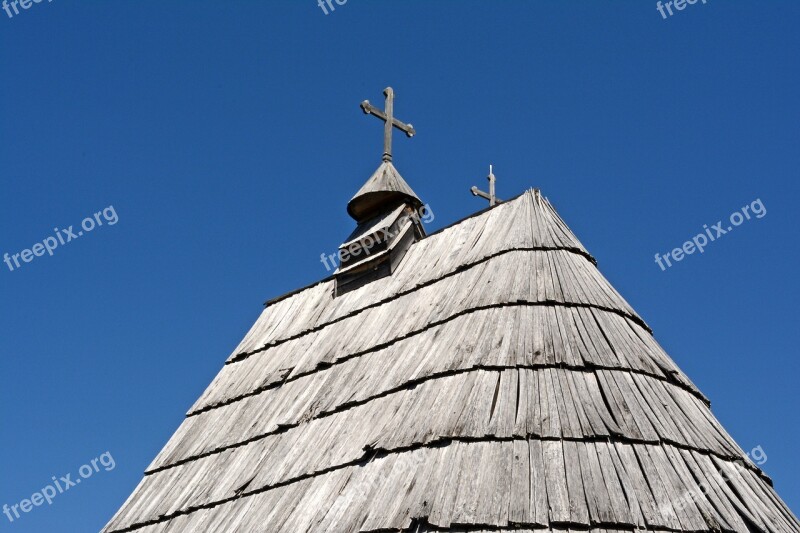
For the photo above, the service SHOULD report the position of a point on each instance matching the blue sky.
(228, 139)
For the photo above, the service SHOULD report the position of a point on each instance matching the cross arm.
(477, 192)
(370, 109)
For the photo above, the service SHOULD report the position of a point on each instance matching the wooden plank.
(695, 491)
(733, 476)
(475, 469)
(540, 507)
(537, 408)
(635, 404)
(640, 497)
(519, 509)
(677, 491)
(596, 408)
(651, 408)
(501, 424)
(444, 497)
(624, 508)
(539, 348)
(596, 350)
(575, 382)
(576, 493)
(481, 402)
(497, 495)
(570, 426)
(551, 419)
(592, 502)
(599, 487)
(520, 429)
(617, 404)
(556, 482)
(666, 517)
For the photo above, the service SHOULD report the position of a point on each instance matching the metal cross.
(493, 200)
(389, 122)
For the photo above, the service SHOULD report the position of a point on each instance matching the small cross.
(389, 122)
(493, 200)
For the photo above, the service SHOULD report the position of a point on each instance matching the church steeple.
(384, 190)
(387, 211)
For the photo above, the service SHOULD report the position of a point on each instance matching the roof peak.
(384, 190)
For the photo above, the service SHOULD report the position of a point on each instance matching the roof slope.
(496, 381)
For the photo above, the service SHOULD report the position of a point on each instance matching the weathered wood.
(577, 498)
(520, 495)
(494, 382)
(493, 199)
(555, 481)
(389, 121)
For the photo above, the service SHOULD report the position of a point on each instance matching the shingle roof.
(496, 381)
(385, 186)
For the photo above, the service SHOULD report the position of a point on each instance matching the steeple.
(387, 211)
(384, 190)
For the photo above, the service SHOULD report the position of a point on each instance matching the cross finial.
(389, 122)
(493, 200)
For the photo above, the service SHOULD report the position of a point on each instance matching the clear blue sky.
(228, 139)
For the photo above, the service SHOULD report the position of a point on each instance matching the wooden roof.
(495, 382)
(385, 187)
